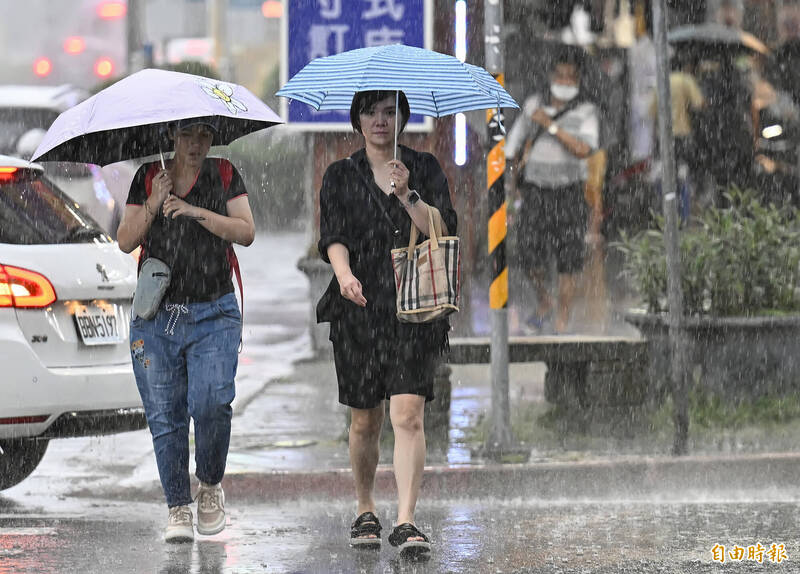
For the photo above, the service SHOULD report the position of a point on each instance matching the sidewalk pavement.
(289, 442)
(289, 432)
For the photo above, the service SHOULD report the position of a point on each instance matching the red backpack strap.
(151, 172)
(225, 172)
(233, 262)
(226, 175)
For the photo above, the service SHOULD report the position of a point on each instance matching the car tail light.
(74, 45)
(42, 67)
(112, 10)
(272, 9)
(103, 67)
(24, 420)
(7, 173)
(24, 289)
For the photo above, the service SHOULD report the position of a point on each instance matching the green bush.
(740, 260)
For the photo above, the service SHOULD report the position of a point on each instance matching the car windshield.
(14, 122)
(33, 211)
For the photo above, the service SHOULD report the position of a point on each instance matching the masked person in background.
(554, 134)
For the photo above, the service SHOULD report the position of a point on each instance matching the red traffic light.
(104, 67)
(112, 10)
(42, 67)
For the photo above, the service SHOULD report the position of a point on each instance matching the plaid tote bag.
(427, 275)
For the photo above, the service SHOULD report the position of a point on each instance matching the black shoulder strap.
(373, 189)
(571, 105)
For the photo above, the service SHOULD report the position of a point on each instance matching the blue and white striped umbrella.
(435, 84)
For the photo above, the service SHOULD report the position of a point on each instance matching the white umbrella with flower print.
(129, 119)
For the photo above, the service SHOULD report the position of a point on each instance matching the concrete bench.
(582, 370)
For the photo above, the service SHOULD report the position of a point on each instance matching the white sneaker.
(180, 526)
(210, 509)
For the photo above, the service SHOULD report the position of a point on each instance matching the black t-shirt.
(350, 215)
(201, 270)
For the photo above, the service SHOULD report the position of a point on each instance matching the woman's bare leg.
(406, 412)
(566, 293)
(365, 436)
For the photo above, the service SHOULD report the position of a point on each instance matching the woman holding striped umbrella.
(367, 204)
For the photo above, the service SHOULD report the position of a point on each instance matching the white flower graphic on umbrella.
(224, 93)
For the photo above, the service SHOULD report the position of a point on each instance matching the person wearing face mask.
(555, 134)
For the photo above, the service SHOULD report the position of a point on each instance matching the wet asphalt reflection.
(92, 536)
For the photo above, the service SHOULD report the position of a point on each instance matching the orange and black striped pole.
(495, 181)
(499, 439)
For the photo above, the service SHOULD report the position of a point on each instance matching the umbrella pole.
(161, 155)
(396, 110)
(396, 106)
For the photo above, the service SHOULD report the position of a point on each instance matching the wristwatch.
(412, 197)
(552, 129)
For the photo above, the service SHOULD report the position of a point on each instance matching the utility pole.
(680, 395)
(500, 439)
(133, 25)
(218, 28)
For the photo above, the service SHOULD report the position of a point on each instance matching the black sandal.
(401, 535)
(365, 525)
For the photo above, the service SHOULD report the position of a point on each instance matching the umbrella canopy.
(716, 36)
(129, 118)
(435, 84)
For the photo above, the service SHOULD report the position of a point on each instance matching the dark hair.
(569, 55)
(364, 102)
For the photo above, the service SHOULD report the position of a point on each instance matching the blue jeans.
(185, 360)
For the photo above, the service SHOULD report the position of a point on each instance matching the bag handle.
(434, 229)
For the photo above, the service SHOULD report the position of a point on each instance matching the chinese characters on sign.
(755, 553)
(319, 28)
(380, 25)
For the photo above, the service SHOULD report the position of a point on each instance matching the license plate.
(98, 325)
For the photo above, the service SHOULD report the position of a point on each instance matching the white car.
(25, 108)
(65, 299)
(26, 112)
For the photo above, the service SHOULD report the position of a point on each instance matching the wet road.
(95, 536)
(58, 522)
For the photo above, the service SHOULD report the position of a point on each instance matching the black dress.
(349, 214)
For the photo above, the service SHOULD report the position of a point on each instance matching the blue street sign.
(319, 28)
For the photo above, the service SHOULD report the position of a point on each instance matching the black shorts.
(370, 371)
(552, 221)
